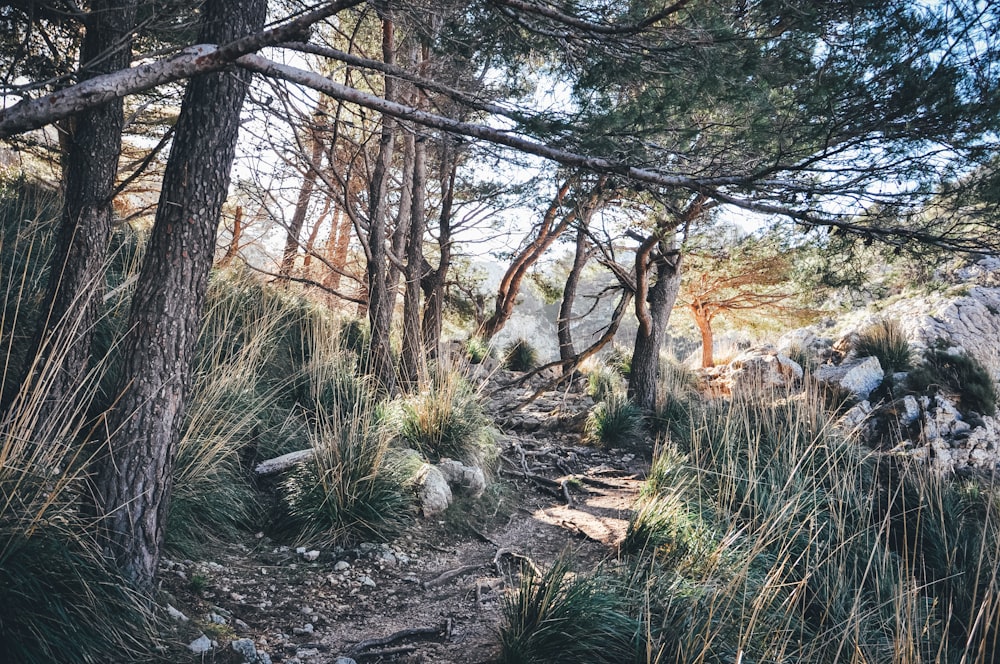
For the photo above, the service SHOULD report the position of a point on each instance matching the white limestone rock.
(860, 377)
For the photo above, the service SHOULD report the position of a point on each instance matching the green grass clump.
(602, 382)
(352, 489)
(520, 355)
(561, 618)
(885, 340)
(476, 350)
(447, 420)
(615, 422)
(958, 375)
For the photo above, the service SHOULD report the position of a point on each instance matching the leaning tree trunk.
(76, 281)
(653, 304)
(133, 478)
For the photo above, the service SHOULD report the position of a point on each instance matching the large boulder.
(761, 368)
(433, 490)
(462, 479)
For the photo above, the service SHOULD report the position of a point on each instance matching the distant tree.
(746, 279)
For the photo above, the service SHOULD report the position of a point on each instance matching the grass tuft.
(603, 381)
(885, 340)
(615, 422)
(561, 617)
(447, 420)
(353, 489)
(520, 355)
(955, 375)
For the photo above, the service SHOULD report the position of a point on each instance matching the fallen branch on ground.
(358, 648)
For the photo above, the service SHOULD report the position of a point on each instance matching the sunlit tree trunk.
(563, 325)
(133, 475)
(703, 319)
(655, 297)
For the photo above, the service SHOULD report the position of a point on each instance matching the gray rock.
(304, 630)
(910, 410)
(859, 377)
(200, 645)
(434, 492)
(761, 368)
(341, 566)
(344, 660)
(248, 651)
(175, 614)
(469, 480)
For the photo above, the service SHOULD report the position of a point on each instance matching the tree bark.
(704, 322)
(133, 476)
(315, 144)
(76, 281)
(564, 331)
(434, 280)
(653, 304)
(414, 366)
(234, 244)
(380, 300)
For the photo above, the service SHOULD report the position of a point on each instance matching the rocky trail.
(436, 593)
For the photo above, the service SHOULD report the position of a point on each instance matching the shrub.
(564, 618)
(602, 382)
(615, 422)
(447, 420)
(520, 355)
(352, 489)
(885, 340)
(958, 375)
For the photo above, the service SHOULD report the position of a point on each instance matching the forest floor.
(433, 595)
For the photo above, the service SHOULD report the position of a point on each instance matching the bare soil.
(434, 595)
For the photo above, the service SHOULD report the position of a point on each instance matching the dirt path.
(443, 581)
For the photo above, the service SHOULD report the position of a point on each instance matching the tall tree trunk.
(380, 300)
(434, 280)
(704, 322)
(414, 366)
(133, 476)
(653, 304)
(401, 233)
(315, 145)
(76, 281)
(314, 233)
(563, 325)
(234, 244)
(339, 246)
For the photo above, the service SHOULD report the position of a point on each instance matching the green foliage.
(447, 421)
(561, 617)
(58, 603)
(352, 489)
(955, 374)
(602, 382)
(885, 340)
(520, 355)
(615, 422)
(476, 349)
